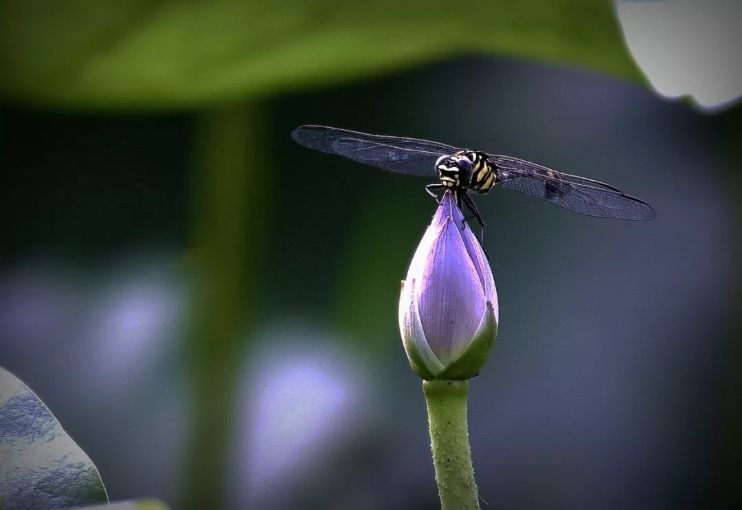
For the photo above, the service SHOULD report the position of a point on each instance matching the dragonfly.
(462, 171)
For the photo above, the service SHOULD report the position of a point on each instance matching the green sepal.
(418, 365)
(473, 358)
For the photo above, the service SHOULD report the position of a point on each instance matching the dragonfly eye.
(447, 163)
(464, 164)
(443, 161)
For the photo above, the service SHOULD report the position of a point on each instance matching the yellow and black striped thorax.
(466, 169)
(483, 177)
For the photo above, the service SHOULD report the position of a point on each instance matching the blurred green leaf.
(40, 465)
(174, 54)
(138, 504)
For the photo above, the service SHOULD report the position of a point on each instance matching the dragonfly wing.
(409, 156)
(578, 194)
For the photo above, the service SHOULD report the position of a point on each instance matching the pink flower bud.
(448, 309)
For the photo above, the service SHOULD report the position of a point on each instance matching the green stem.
(227, 233)
(449, 441)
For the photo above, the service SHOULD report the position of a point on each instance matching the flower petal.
(450, 296)
(473, 358)
(479, 259)
(473, 248)
(421, 357)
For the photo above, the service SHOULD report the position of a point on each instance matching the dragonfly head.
(454, 171)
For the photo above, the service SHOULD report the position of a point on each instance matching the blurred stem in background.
(227, 232)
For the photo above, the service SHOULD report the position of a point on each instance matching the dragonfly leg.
(429, 189)
(475, 214)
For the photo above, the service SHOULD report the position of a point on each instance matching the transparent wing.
(578, 194)
(408, 156)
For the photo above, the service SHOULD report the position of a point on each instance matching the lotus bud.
(448, 311)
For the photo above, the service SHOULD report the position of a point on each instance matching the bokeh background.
(210, 309)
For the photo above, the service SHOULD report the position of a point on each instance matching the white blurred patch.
(134, 318)
(106, 325)
(687, 47)
(302, 402)
(99, 343)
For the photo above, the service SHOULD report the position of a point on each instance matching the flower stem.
(449, 441)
